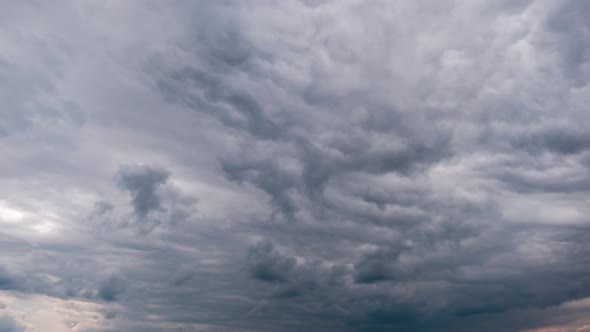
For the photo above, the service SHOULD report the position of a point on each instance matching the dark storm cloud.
(142, 182)
(266, 264)
(452, 253)
(359, 166)
(376, 266)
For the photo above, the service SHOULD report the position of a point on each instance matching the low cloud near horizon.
(310, 165)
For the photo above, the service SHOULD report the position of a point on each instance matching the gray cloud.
(359, 166)
(8, 324)
(111, 287)
(142, 182)
(9, 280)
(375, 266)
(267, 264)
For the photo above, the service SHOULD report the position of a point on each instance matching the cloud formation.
(142, 182)
(298, 165)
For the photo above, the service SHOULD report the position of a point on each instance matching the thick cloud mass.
(142, 183)
(308, 165)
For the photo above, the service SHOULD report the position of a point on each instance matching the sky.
(297, 165)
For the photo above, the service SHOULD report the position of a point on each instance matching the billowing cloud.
(296, 165)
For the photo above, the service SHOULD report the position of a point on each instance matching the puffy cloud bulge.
(295, 165)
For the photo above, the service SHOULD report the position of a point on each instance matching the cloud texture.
(307, 165)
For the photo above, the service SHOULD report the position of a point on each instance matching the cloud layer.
(296, 165)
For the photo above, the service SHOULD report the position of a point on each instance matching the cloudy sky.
(300, 165)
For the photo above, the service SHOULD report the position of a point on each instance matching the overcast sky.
(310, 165)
